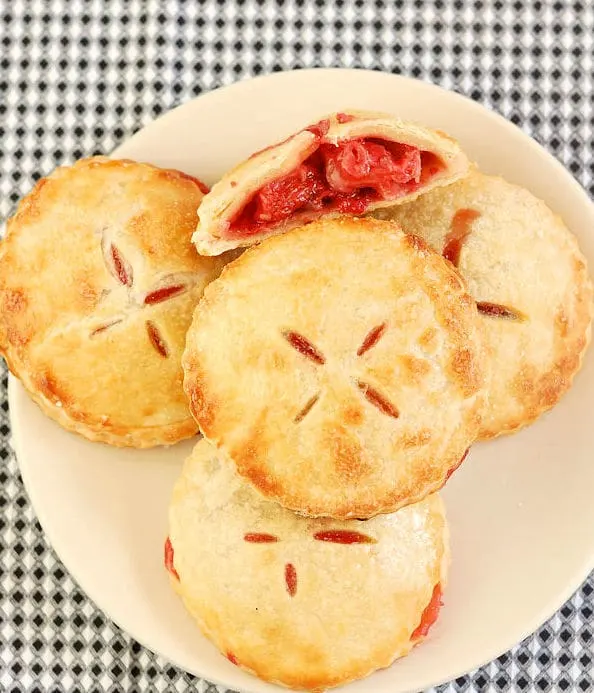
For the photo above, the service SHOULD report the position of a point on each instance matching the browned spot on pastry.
(417, 243)
(496, 310)
(106, 326)
(260, 538)
(14, 301)
(291, 579)
(417, 439)
(49, 388)
(428, 340)
(465, 370)
(304, 347)
(352, 414)
(344, 536)
(346, 452)
(413, 368)
(459, 230)
(163, 294)
(307, 408)
(156, 339)
(371, 339)
(562, 323)
(378, 400)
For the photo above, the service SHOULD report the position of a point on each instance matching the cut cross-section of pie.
(294, 586)
(347, 163)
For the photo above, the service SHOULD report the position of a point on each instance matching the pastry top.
(307, 603)
(525, 269)
(340, 366)
(98, 281)
(332, 155)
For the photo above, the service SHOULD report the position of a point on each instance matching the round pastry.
(98, 281)
(347, 163)
(306, 603)
(529, 279)
(340, 366)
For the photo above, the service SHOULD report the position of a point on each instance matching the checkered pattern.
(80, 76)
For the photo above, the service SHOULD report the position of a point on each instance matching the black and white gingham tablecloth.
(78, 77)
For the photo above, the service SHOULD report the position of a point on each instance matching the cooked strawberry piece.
(367, 164)
(278, 200)
(345, 178)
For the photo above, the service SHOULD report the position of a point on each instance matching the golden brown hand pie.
(307, 603)
(340, 366)
(98, 281)
(347, 163)
(530, 280)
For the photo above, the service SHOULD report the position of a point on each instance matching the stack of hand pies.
(396, 305)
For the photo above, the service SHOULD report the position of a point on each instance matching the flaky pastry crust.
(518, 254)
(340, 366)
(98, 281)
(282, 597)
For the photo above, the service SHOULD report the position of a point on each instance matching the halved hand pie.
(98, 281)
(529, 279)
(347, 163)
(340, 366)
(305, 603)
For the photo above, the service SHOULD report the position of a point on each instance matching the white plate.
(521, 508)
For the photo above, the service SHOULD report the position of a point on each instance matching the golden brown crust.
(354, 607)
(308, 363)
(237, 186)
(82, 324)
(520, 255)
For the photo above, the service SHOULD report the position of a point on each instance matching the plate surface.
(521, 511)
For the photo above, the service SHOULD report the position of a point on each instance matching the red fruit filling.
(459, 230)
(232, 658)
(344, 536)
(343, 178)
(260, 538)
(291, 579)
(429, 615)
(168, 558)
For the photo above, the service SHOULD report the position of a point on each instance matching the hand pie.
(347, 163)
(98, 281)
(340, 366)
(531, 285)
(300, 602)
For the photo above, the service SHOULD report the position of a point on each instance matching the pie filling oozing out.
(344, 178)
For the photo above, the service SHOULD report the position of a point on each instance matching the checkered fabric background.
(80, 76)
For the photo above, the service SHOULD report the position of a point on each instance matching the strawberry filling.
(429, 615)
(168, 558)
(344, 178)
